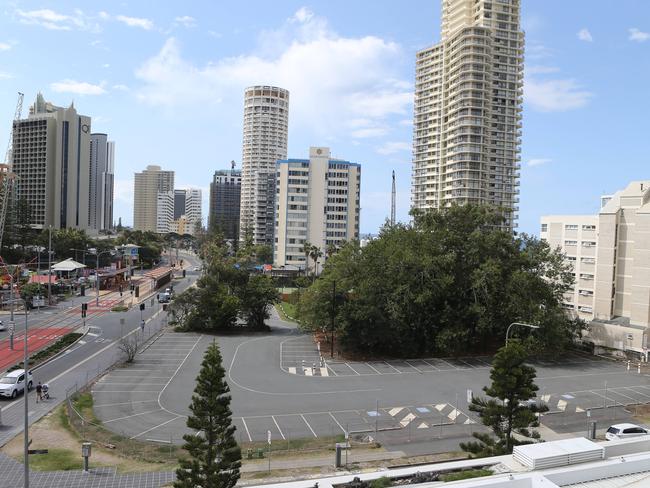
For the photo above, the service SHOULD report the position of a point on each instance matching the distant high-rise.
(146, 187)
(193, 208)
(317, 201)
(266, 123)
(468, 104)
(102, 164)
(164, 212)
(225, 194)
(51, 161)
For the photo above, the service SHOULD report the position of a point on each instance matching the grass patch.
(119, 308)
(306, 444)
(56, 460)
(50, 351)
(382, 482)
(466, 475)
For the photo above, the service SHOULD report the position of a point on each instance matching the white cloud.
(106, 65)
(637, 35)
(5, 46)
(215, 34)
(120, 87)
(540, 70)
(302, 15)
(351, 83)
(49, 19)
(585, 35)
(406, 122)
(5, 76)
(140, 22)
(77, 87)
(186, 21)
(538, 162)
(394, 147)
(555, 95)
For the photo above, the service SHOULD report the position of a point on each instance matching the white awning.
(67, 265)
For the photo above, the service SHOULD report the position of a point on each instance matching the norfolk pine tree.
(215, 457)
(509, 410)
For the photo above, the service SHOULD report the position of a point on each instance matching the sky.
(166, 79)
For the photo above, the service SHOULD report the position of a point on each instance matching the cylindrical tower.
(266, 123)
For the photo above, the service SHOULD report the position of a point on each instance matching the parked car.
(13, 383)
(625, 431)
(164, 298)
(3, 327)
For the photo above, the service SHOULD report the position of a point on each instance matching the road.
(90, 357)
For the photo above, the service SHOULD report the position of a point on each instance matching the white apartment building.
(316, 201)
(146, 186)
(193, 212)
(266, 123)
(164, 211)
(468, 106)
(102, 167)
(51, 158)
(611, 257)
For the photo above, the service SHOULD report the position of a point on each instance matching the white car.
(625, 431)
(3, 327)
(13, 383)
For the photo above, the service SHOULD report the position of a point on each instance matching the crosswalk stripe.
(546, 398)
(395, 411)
(469, 421)
(292, 370)
(407, 420)
(308, 372)
(423, 425)
(561, 405)
(440, 407)
(324, 372)
(579, 410)
(453, 415)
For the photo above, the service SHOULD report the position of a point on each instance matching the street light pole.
(49, 268)
(11, 317)
(530, 326)
(26, 395)
(333, 314)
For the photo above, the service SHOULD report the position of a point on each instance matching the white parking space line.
(130, 416)
(617, 392)
(391, 366)
(250, 439)
(132, 383)
(123, 391)
(305, 420)
(448, 363)
(123, 403)
(332, 371)
(353, 370)
(484, 362)
(466, 363)
(157, 426)
(370, 366)
(638, 392)
(416, 369)
(434, 367)
(337, 422)
(279, 429)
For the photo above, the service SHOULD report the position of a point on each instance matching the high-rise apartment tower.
(225, 195)
(102, 164)
(146, 187)
(468, 104)
(266, 123)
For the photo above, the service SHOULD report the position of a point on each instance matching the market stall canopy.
(67, 265)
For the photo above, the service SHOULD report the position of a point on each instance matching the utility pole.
(392, 202)
(26, 395)
(49, 268)
(333, 315)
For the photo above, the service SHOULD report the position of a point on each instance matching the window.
(588, 244)
(570, 243)
(544, 227)
(571, 227)
(588, 227)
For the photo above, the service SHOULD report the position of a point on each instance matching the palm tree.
(306, 248)
(314, 254)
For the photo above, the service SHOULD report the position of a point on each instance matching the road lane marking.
(292, 370)
(440, 407)
(434, 367)
(305, 420)
(279, 430)
(371, 367)
(250, 439)
(122, 403)
(323, 372)
(391, 366)
(394, 411)
(423, 425)
(174, 375)
(416, 369)
(130, 416)
(407, 420)
(353, 370)
(561, 405)
(157, 426)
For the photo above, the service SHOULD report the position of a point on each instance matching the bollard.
(638, 368)
(628, 365)
(85, 453)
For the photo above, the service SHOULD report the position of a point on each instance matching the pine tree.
(510, 409)
(215, 457)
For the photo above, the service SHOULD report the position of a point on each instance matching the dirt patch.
(641, 413)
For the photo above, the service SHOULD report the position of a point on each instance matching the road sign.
(268, 437)
(470, 395)
(38, 301)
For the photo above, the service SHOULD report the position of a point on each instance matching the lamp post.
(49, 268)
(530, 326)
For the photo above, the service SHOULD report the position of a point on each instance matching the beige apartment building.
(468, 109)
(611, 257)
(316, 201)
(146, 187)
(266, 125)
(51, 159)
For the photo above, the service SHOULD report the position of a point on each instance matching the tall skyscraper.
(179, 204)
(100, 201)
(146, 186)
(266, 123)
(193, 210)
(164, 212)
(51, 158)
(225, 195)
(468, 104)
(317, 200)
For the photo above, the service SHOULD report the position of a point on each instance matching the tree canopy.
(449, 282)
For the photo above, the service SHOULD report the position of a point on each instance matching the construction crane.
(7, 176)
(392, 202)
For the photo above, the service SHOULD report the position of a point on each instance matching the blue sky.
(165, 80)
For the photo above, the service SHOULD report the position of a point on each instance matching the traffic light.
(84, 310)
(142, 306)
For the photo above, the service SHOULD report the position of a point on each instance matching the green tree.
(215, 457)
(256, 297)
(511, 407)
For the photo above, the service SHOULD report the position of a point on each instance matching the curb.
(61, 352)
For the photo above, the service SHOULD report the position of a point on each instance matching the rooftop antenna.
(392, 202)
